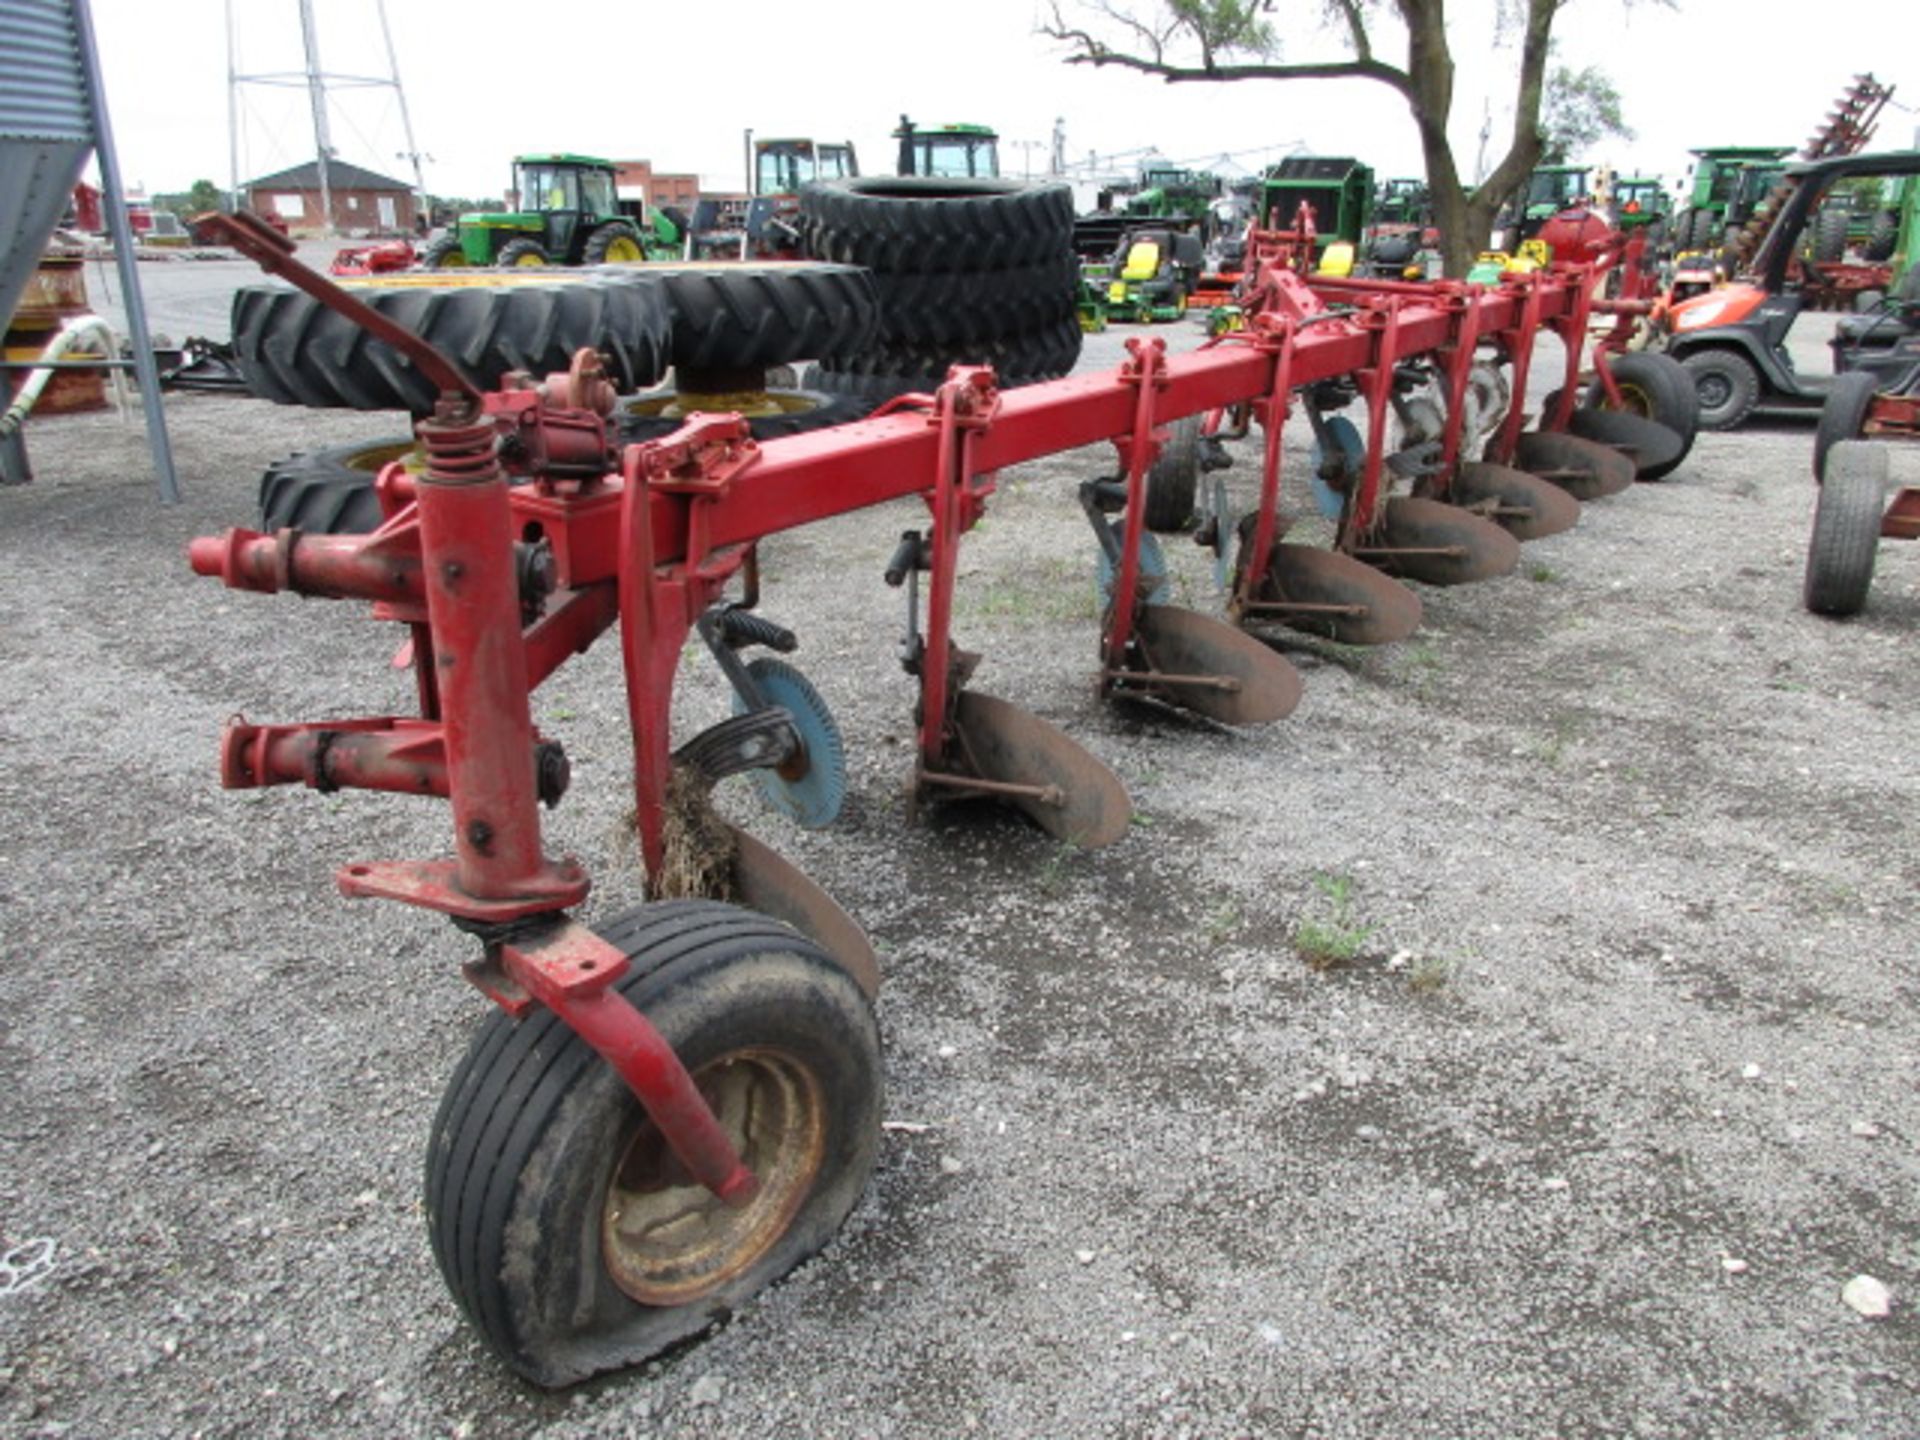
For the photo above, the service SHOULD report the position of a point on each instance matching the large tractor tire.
(1037, 354)
(1830, 235)
(295, 351)
(934, 225)
(937, 309)
(1883, 236)
(729, 316)
(444, 254)
(571, 1237)
(771, 414)
(522, 254)
(330, 491)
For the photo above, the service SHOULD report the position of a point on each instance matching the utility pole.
(317, 98)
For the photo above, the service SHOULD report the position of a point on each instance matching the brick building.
(363, 203)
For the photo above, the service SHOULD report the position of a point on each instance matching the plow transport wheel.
(1324, 592)
(1528, 507)
(1441, 543)
(1653, 448)
(1185, 642)
(1004, 744)
(766, 881)
(571, 1237)
(1585, 469)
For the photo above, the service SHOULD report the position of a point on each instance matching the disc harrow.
(528, 534)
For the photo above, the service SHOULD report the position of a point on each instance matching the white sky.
(677, 83)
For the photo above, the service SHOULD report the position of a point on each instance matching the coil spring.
(460, 454)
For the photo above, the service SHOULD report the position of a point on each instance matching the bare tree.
(1216, 40)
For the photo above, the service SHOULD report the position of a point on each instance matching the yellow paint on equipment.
(1143, 261)
(1338, 260)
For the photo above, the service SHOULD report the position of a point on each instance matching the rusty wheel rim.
(667, 1240)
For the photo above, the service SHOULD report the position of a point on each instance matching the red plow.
(586, 1214)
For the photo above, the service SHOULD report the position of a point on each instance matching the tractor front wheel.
(444, 254)
(573, 1239)
(522, 252)
(614, 243)
(1727, 384)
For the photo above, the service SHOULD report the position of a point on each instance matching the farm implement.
(667, 1115)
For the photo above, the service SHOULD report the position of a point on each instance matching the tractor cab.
(781, 167)
(1639, 202)
(566, 212)
(968, 152)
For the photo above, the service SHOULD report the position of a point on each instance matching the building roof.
(340, 176)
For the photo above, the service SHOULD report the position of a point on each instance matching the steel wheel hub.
(667, 1240)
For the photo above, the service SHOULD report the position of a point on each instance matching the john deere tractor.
(570, 215)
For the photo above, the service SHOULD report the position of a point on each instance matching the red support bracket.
(1272, 335)
(1454, 297)
(1380, 317)
(963, 410)
(1144, 370)
(1517, 342)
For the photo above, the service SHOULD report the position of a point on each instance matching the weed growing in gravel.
(1052, 874)
(1221, 923)
(1552, 747)
(1420, 663)
(1543, 574)
(1429, 973)
(1335, 940)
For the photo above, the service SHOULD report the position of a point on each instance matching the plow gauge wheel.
(810, 788)
(1585, 469)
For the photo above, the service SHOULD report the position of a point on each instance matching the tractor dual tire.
(1830, 235)
(1843, 416)
(1846, 529)
(731, 316)
(293, 350)
(570, 1240)
(958, 307)
(329, 491)
(793, 412)
(934, 225)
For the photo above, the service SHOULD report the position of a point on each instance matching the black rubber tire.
(330, 491)
(918, 308)
(534, 1125)
(1830, 235)
(1657, 387)
(1843, 416)
(738, 316)
(295, 351)
(1727, 385)
(1044, 353)
(935, 225)
(636, 417)
(1883, 235)
(1173, 480)
(603, 238)
(1846, 528)
(444, 254)
(523, 253)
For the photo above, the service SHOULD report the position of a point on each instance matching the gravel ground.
(1614, 1097)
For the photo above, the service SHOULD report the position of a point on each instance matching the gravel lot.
(1616, 1095)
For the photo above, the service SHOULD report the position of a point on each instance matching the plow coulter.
(669, 1114)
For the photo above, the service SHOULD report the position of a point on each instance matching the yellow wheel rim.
(666, 1239)
(624, 250)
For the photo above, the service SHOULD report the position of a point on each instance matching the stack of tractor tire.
(967, 272)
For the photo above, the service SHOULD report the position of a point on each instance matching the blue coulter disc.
(813, 798)
(1153, 570)
(1353, 454)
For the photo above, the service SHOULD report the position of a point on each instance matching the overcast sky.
(678, 83)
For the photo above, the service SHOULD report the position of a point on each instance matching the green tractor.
(1549, 190)
(1337, 191)
(963, 151)
(1640, 202)
(570, 215)
(1729, 183)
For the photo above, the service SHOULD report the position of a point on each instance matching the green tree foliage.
(1227, 40)
(1582, 108)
